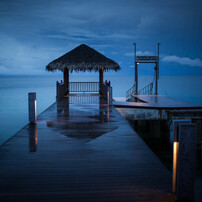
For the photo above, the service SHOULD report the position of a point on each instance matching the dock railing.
(77, 87)
(130, 92)
(147, 90)
(83, 87)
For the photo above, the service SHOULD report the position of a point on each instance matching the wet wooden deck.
(81, 150)
(157, 102)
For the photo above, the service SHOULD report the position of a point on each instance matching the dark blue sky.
(33, 33)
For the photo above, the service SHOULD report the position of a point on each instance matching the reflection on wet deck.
(82, 120)
(156, 102)
(32, 132)
(81, 151)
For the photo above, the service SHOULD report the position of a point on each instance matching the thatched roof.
(82, 58)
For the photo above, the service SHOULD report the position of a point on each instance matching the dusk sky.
(33, 33)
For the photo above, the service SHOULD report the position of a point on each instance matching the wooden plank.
(83, 152)
(157, 102)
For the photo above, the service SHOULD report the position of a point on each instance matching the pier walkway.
(80, 149)
(156, 102)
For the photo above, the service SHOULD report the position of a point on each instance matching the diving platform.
(81, 149)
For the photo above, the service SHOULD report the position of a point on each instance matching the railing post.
(32, 107)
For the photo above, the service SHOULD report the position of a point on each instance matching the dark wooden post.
(101, 77)
(32, 107)
(66, 80)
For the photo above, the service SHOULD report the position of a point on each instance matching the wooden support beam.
(101, 77)
(66, 80)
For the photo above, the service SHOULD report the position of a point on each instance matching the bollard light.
(175, 125)
(32, 107)
(175, 159)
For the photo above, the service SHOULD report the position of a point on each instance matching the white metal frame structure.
(146, 59)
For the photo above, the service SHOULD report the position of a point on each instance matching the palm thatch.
(82, 58)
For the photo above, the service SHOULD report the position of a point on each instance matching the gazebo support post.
(100, 78)
(66, 80)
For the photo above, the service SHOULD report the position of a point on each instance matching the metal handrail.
(147, 90)
(130, 92)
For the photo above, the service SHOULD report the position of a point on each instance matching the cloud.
(25, 58)
(140, 53)
(183, 60)
(55, 27)
(81, 35)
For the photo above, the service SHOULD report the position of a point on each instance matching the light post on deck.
(32, 107)
(184, 158)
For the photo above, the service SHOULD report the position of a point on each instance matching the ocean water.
(14, 94)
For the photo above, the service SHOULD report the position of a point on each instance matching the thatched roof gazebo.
(82, 58)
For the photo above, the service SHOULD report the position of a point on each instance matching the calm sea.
(14, 94)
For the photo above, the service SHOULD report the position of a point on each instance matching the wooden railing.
(81, 87)
(84, 87)
(147, 90)
(84, 99)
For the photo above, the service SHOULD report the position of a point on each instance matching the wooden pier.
(155, 102)
(81, 149)
(157, 107)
